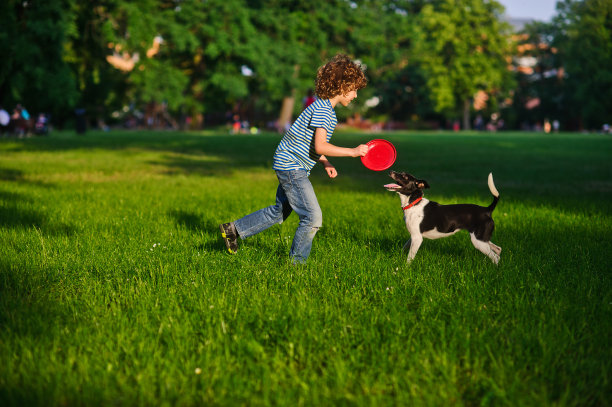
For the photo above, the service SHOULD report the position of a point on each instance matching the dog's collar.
(416, 201)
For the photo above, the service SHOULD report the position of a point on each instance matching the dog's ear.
(422, 184)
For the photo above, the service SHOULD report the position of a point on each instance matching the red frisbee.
(381, 155)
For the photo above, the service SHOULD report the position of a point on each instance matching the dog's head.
(406, 184)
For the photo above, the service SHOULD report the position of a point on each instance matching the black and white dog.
(425, 218)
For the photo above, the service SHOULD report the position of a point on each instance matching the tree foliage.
(424, 58)
(33, 71)
(586, 45)
(462, 47)
(541, 79)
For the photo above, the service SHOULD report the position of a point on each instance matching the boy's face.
(345, 99)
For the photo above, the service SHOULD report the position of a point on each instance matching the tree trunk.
(466, 114)
(286, 113)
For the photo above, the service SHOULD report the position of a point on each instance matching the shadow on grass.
(196, 223)
(524, 165)
(9, 174)
(200, 154)
(14, 216)
(30, 312)
(13, 175)
(195, 165)
(269, 241)
(190, 220)
(24, 296)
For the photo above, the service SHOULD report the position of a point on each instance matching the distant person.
(555, 125)
(303, 145)
(25, 114)
(81, 120)
(236, 125)
(5, 119)
(41, 127)
(478, 123)
(20, 119)
(308, 99)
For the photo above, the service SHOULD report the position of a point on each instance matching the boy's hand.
(360, 150)
(331, 171)
(329, 168)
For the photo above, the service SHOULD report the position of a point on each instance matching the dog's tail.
(494, 192)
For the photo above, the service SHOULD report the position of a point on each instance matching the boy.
(303, 145)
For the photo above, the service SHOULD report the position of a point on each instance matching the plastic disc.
(381, 155)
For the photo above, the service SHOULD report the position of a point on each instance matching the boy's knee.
(316, 219)
(276, 213)
(313, 219)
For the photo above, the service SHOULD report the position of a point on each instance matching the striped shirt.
(296, 149)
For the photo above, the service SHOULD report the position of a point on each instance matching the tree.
(101, 87)
(384, 37)
(147, 35)
(586, 48)
(32, 71)
(541, 92)
(203, 57)
(462, 47)
(296, 38)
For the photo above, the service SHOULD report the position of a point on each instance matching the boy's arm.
(329, 168)
(322, 147)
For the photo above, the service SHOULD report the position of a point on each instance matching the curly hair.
(338, 77)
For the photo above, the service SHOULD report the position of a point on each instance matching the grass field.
(115, 288)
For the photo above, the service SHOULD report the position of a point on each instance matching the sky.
(541, 10)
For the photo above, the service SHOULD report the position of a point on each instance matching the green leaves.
(586, 41)
(462, 48)
(32, 41)
(425, 59)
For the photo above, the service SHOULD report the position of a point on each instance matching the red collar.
(412, 204)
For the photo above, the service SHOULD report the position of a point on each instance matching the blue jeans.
(295, 193)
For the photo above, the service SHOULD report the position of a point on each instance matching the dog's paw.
(494, 258)
(495, 248)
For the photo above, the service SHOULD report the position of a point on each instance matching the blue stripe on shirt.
(296, 149)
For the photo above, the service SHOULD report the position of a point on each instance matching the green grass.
(115, 288)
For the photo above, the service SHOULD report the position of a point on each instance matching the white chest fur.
(413, 215)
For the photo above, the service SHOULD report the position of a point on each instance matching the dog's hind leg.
(485, 248)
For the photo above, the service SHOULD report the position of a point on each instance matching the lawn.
(115, 288)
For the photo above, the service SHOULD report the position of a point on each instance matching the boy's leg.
(261, 220)
(303, 200)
